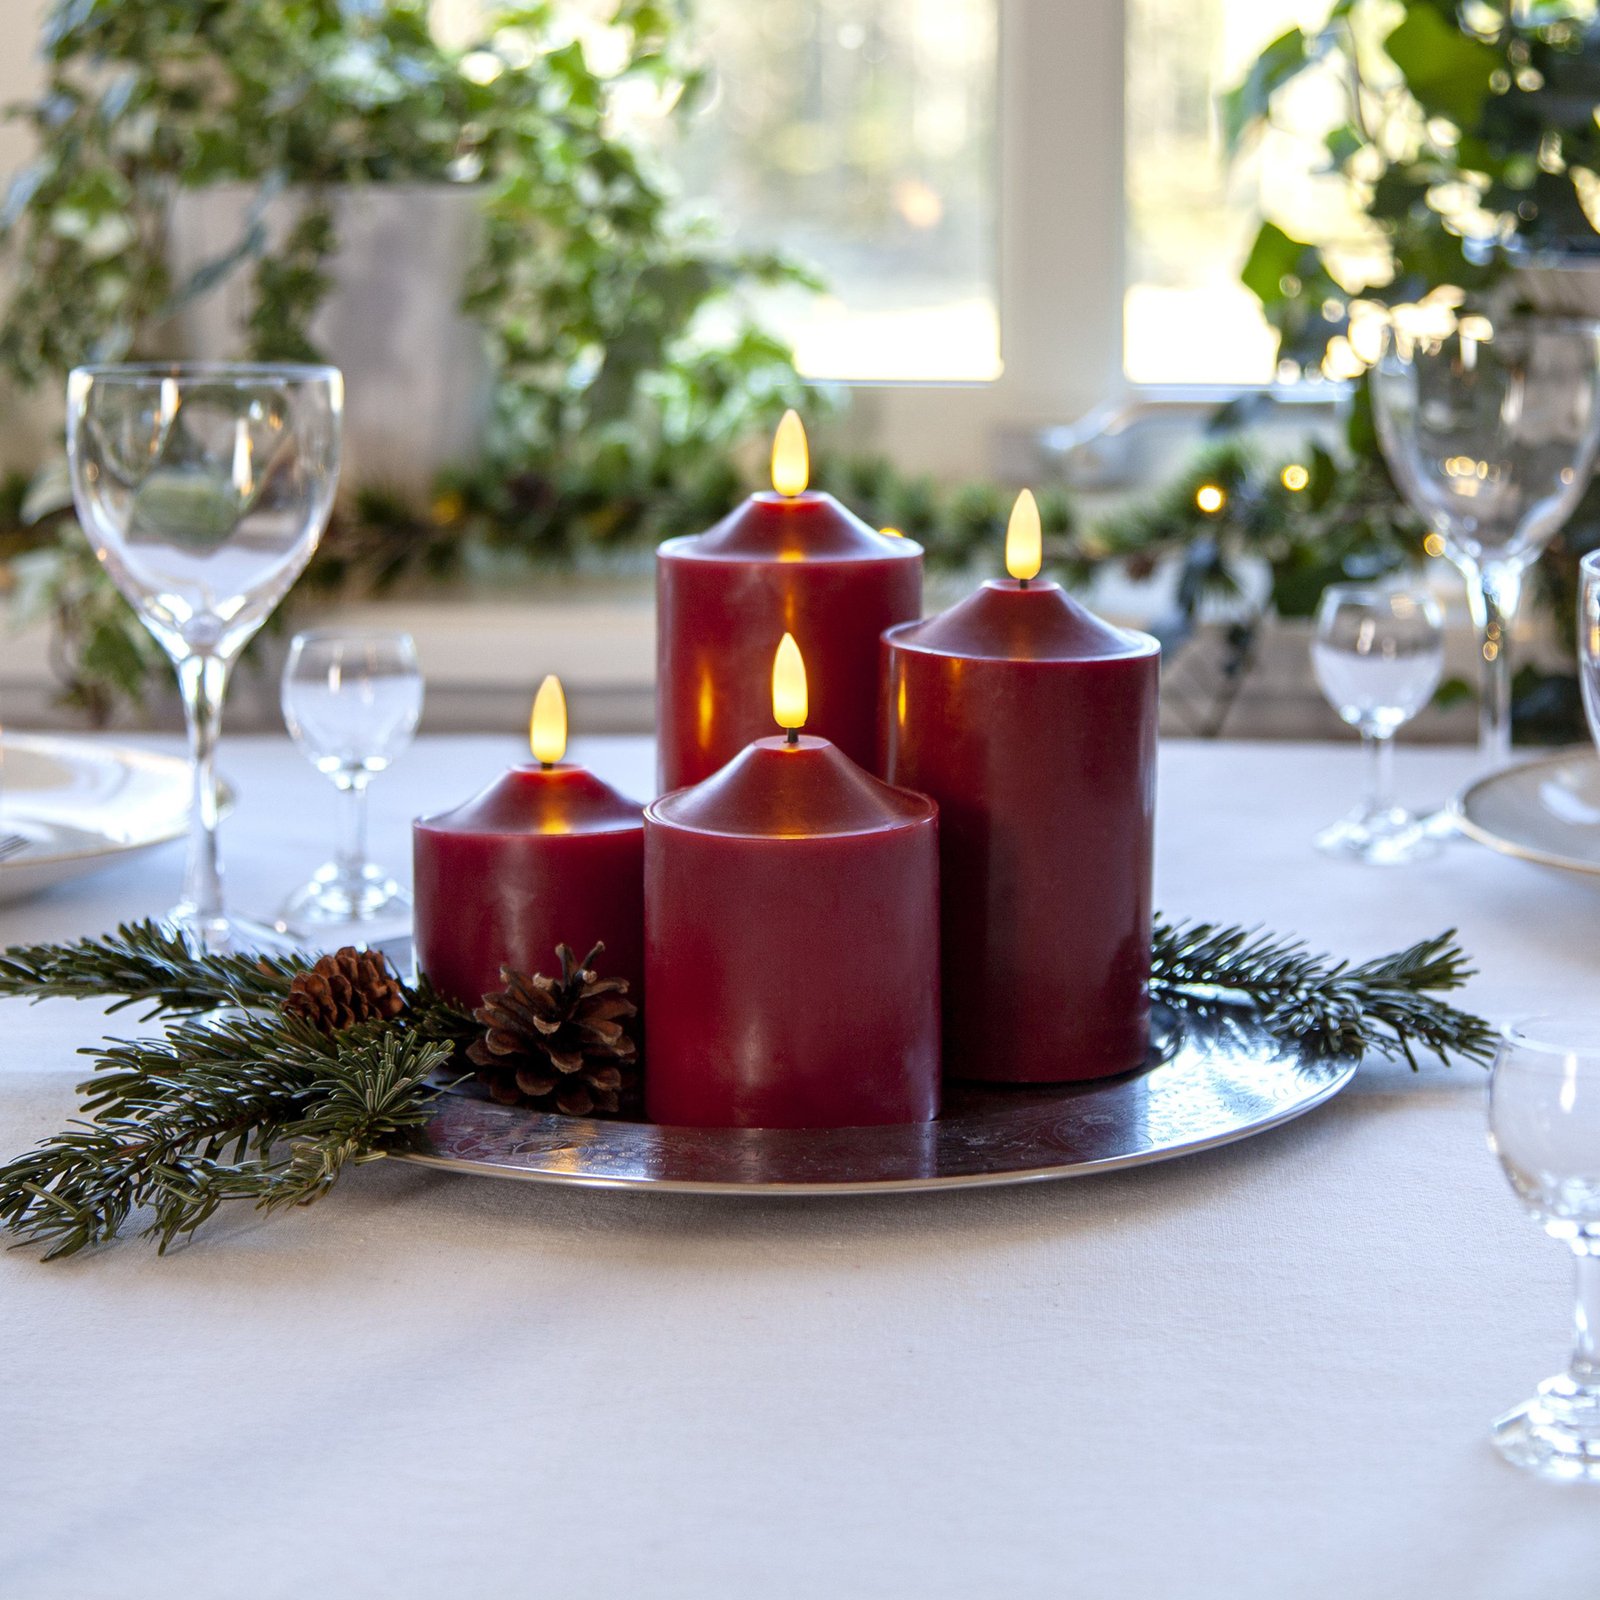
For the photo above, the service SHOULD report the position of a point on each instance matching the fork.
(11, 844)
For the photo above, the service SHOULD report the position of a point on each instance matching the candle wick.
(547, 766)
(1022, 583)
(791, 736)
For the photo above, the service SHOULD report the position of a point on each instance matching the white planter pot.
(417, 379)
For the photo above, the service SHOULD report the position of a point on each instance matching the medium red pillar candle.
(791, 941)
(1033, 724)
(786, 562)
(546, 855)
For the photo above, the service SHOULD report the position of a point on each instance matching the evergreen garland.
(255, 1103)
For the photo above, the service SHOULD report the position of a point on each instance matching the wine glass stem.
(1380, 771)
(203, 681)
(1494, 591)
(352, 855)
(1585, 1367)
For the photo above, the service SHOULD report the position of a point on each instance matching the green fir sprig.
(254, 1104)
(1388, 1005)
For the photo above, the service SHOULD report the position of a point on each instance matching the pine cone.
(345, 988)
(558, 1044)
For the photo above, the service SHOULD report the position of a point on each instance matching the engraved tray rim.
(1216, 1077)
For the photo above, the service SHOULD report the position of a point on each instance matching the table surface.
(1263, 1371)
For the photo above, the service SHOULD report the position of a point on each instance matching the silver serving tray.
(1216, 1077)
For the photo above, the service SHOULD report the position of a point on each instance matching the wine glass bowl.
(1490, 428)
(1544, 1125)
(351, 702)
(1378, 654)
(203, 488)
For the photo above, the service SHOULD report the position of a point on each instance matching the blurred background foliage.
(633, 384)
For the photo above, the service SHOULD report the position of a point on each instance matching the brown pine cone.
(558, 1044)
(345, 988)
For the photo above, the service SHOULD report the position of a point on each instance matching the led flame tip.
(547, 729)
(789, 685)
(1024, 538)
(791, 459)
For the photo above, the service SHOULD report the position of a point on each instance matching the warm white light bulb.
(789, 685)
(1024, 538)
(547, 730)
(791, 459)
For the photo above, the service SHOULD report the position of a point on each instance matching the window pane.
(1186, 317)
(859, 136)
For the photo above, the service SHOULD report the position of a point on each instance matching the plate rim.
(1510, 847)
(104, 753)
(1340, 1071)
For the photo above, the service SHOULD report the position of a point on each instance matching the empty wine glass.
(1378, 654)
(351, 701)
(1544, 1124)
(204, 488)
(1491, 430)
(1589, 639)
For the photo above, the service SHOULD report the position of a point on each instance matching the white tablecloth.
(1266, 1371)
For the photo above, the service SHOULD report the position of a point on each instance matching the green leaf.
(1447, 70)
(1250, 100)
(1274, 257)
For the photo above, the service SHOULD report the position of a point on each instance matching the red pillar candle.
(546, 855)
(786, 562)
(1033, 725)
(791, 941)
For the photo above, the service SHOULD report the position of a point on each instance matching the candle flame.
(547, 729)
(789, 685)
(791, 460)
(1024, 539)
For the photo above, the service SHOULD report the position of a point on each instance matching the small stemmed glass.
(352, 702)
(204, 488)
(1378, 654)
(1544, 1124)
(1490, 429)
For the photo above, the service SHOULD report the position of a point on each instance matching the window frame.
(1061, 266)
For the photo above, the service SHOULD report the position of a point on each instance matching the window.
(858, 135)
(1186, 316)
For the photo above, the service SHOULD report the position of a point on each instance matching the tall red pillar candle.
(791, 945)
(792, 562)
(546, 855)
(1033, 724)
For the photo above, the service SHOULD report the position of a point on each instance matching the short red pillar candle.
(1033, 724)
(791, 945)
(787, 562)
(546, 855)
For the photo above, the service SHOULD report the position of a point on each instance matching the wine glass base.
(228, 935)
(335, 898)
(1383, 838)
(1556, 1434)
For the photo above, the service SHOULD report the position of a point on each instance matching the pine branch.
(180, 1124)
(144, 963)
(1388, 1004)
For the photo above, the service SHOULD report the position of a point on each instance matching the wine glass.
(1378, 654)
(204, 488)
(1589, 639)
(1544, 1124)
(351, 702)
(1490, 430)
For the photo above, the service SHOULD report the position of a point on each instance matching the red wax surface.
(1033, 724)
(544, 856)
(802, 565)
(791, 946)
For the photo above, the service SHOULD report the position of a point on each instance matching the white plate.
(83, 805)
(1546, 811)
